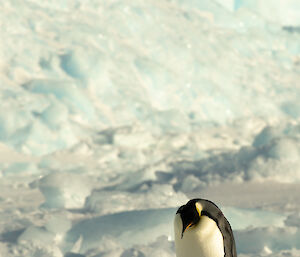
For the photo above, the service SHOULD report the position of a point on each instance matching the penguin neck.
(202, 240)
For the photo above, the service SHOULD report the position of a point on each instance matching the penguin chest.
(203, 240)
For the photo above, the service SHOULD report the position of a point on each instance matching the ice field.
(115, 113)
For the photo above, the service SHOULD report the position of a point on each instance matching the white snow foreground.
(113, 114)
(145, 231)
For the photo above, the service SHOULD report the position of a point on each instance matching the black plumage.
(189, 212)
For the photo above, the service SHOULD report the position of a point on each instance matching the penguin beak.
(185, 228)
(190, 216)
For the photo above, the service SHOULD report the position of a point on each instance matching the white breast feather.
(201, 240)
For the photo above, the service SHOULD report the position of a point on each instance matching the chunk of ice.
(64, 190)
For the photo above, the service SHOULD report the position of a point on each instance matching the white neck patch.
(202, 240)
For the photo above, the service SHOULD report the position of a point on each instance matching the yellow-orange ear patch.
(199, 208)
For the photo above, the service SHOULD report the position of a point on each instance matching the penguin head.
(190, 214)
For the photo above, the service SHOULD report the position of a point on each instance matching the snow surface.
(114, 113)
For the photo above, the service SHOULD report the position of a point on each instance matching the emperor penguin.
(201, 230)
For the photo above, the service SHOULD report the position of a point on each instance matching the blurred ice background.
(114, 113)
